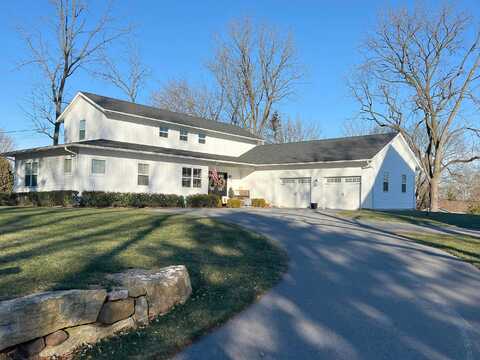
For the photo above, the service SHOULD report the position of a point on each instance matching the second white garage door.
(295, 192)
(342, 192)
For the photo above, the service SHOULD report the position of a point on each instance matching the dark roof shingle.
(127, 107)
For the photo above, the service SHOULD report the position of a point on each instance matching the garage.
(342, 192)
(296, 192)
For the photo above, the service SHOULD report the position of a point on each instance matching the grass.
(416, 217)
(50, 248)
(466, 248)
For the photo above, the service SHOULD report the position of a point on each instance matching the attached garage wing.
(295, 192)
(342, 192)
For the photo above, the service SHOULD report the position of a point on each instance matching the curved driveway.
(353, 291)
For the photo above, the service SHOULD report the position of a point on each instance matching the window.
(143, 174)
(183, 135)
(163, 132)
(352, 179)
(31, 173)
(202, 138)
(98, 166)
(186, 177)
(287, 181)
(334, 179)
(81, 130)
(67, 166)
(404, 183)
(385, 182)
(197, 178)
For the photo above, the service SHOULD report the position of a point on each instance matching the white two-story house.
(115, 145)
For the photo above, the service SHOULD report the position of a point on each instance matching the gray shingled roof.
(127, 107)
(340, 149)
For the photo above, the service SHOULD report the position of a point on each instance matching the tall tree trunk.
(434, 193)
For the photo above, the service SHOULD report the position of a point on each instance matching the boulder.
(30, 317)
(113, 311)
(141, 311)
(56, 338)
(117, 294)
(85, 334)
(164, 288)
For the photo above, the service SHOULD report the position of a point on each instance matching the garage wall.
(266, 183)
(395, 160)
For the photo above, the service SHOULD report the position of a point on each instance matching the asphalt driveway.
(353, 291)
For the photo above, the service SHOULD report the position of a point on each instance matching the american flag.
(214, 176)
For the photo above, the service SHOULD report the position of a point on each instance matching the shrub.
(474, 208)
(234, 203)
(7, 199)
(204, 200)
(259, 203)
(116, 199)
(45, 198)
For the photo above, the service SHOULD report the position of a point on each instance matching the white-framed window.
(288, 181)
(183, 135)
(352, 179)
(385, 182)
(404, 183)
(143, 174)
(82, 130)
(197, 178)
(202, 138)
(186, 177)
(67, 166)
(163, 131)
(31, 173)
(98, 167)
(336, 179)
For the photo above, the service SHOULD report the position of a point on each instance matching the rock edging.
(56, 323)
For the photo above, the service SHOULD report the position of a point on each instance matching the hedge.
(259, 203)
(117, 199)
(474, 209)
(234, 203)
(204, 200)
(40, 198)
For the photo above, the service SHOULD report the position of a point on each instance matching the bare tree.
(6, 142)
(284, 130)
(358, 127)
(181, 96)
(255, 68)
(6, 175)
(77, 43)
(419, 78)
(130, 80)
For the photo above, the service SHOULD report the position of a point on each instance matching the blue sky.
(175, 40)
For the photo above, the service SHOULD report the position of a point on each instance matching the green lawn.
(51, 248)
(416, 217)
(466, 248)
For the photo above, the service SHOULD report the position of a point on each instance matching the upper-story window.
(67, 166)
(31, 173)
(385, 182)
(98, 167)
(81, 130)
(404, 183)
(143, 173)
(183, 135)
(202, 138)
(163, 132)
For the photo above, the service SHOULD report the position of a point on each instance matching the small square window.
(143, 173)
(202, 138)
(67, 166)
(404, 183)
(385, 182)
(98, 166)
(81, 131)
(183, 135)
(163, 132)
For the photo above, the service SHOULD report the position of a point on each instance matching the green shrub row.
(117, 199)
(204, 200)
(259, 203)
(40, 198)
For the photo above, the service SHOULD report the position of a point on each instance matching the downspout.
(70, 151)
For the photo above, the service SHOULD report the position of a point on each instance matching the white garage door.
(342, 193)
(295, 192)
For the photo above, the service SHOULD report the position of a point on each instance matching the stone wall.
(56, 323)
